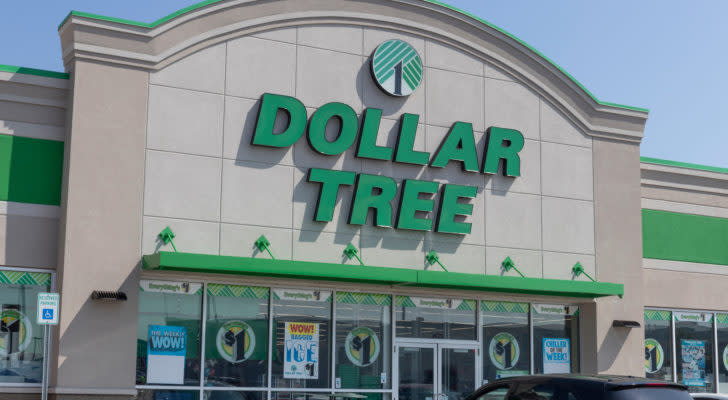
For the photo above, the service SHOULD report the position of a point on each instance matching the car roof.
(610, 382)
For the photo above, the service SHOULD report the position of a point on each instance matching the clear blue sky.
(665, 55)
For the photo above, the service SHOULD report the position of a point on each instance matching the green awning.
(212, 264)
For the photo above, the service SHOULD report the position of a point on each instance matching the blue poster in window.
(693, 362)
(556, 356)
(166, 349)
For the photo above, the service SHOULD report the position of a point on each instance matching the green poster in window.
(654, 356)
(236, 340)
(15, 332)
(504, 351)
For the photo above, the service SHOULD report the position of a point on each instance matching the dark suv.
(579, 387)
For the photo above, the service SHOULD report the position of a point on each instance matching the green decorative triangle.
(25, 278)
(404, 301)
(504, 307)
(657, 315)
(466, 305)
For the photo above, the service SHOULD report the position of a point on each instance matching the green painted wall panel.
(31, 170)
(684, 237)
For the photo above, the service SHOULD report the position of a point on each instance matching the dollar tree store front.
(357, 199)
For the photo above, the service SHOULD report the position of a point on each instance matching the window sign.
(301, 353)
(506, 339)
(363, 340)
(693, 362)
(694, 350)
(301, 325)
(556, 356)
(236, 336)
(21, 338)
(169, 332)
(166, 350)
(555, 338)
(658, 344)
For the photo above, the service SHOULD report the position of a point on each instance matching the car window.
(646, 393)
(542, 391)
(498, 393)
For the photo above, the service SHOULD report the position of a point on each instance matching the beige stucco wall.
(101, 229)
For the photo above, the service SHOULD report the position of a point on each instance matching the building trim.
(684, 266)
(189, 262)
(151, 49)
(658, 161)
(684, 208)
(205, 3)
(32, 71)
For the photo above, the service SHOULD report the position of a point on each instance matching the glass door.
(416, 372)
(457, 371)
(435, 371)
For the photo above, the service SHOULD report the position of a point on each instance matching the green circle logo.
(235, 341)
(397, 68)
(654, 356)
(15, 332)
(725, 357)
(504, 351)
(362, 346)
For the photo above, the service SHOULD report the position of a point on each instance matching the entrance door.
(435, 371)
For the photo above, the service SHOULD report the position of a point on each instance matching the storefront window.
(506, 340)
(302, 325)
(21, 339)
(555, 339)
(658, 344)
(722, 321)
(694, 350)
(363, 341)
(427, 318)
(236, 336)
(168, 334)
(166, 394)
(234, 395)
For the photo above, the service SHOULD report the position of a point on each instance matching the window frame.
(47, 344)
(478, 341)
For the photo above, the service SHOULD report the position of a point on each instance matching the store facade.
(304, 199)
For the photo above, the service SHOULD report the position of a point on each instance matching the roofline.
(437, 2)
(32, 71)
(658, 161)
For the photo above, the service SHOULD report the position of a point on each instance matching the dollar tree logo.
(362, 346)
(654, 356)
(397, 68)
(15, 332)
(235, 341)
(504, 351)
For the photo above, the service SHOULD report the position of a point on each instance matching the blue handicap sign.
(48, 313)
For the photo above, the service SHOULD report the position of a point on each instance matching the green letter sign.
(267, 112)
(503, 144)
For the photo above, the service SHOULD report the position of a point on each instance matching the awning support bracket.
(433, 258)
(578, 269)
(263, 244)
(351, 252)
(166, 236)
(508, 265)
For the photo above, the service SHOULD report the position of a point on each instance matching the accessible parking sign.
(48, 305)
